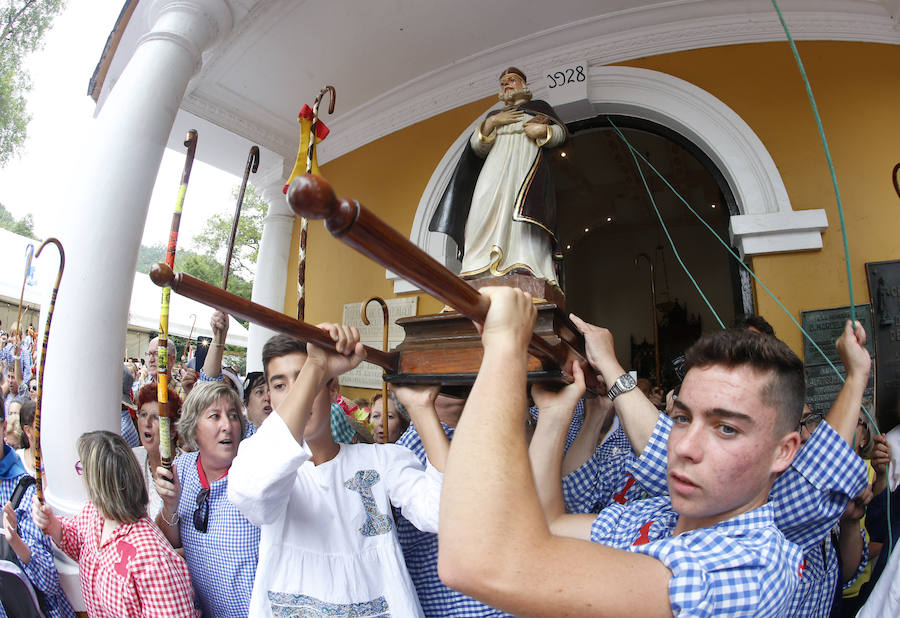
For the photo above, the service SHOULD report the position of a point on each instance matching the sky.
(62, 115)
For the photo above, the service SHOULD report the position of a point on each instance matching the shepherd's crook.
(637, 260)
(252, 166)
(36, 448)
(384, 345)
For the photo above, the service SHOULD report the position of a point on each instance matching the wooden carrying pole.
(312, 197)
(226, 302)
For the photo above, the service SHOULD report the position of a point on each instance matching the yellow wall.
(856, 93)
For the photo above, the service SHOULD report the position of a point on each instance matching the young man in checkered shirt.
(808, 498)
(712, 548)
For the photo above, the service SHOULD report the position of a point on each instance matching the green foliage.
(22, 227)
(204, 267)
(213, 241)
(24, 23)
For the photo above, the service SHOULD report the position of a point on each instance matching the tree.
(215, 236)
(22, 227)
(23, 24)
(201, 266)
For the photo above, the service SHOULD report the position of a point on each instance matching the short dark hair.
(253, 379)
(735, 347)
(278, 346)
(749, 320)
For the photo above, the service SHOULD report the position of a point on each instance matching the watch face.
(626, 382)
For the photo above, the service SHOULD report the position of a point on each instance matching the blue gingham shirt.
(604, 477)
(574, 426)
(742, 566)
(222, 561)
(420, 550)
(341, 430)
(41, 570)
(129, 432)
(808, 499)
(7, 354)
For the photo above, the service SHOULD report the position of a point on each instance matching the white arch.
(766, 223)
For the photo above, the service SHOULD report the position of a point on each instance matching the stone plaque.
(825, 326)
(884, 290)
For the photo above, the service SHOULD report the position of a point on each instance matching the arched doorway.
(611, 237)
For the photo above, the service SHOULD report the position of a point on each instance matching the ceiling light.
(568, 246)
(609, 219)
(563, 154)
(587, 229)
(713, 205)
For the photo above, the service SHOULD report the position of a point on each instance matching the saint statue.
(500, 205)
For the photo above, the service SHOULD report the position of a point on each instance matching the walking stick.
(384, 346)
(316, 131)
(36, 448)
(252, 166)
(162, 362)
(637, 260)
(187, 349)
(29, 254)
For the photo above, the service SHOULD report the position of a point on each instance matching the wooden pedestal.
(445, 348)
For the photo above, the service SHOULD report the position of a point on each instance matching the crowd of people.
(725, 496)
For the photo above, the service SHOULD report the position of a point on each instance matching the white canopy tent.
(143, 310)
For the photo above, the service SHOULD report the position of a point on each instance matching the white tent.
(143, 311)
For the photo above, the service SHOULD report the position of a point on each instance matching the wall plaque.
(368, 375)
(884, 290)
(825, 326)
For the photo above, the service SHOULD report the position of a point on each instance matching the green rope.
(834, 182)
(672, 243)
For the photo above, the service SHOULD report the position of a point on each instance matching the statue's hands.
(536, 131)
(507, 116)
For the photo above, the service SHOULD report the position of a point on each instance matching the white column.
(272, 264)
(108, 208)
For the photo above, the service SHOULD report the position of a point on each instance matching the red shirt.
(134, 573)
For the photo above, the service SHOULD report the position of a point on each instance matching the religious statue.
(500, 205)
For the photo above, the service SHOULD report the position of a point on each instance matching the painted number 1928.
(567, 76)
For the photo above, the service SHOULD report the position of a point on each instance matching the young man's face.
(723, 449)
(282, 372)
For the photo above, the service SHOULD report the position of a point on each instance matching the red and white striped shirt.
(135, 573)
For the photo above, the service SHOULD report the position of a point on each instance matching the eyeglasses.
(811, 422)
(201, 513)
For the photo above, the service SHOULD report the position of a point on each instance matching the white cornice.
(598, 41)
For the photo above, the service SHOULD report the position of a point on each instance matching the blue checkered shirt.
(808, 499)
(341, 430)
(129, 432)
(742, 566)
(574, 427)
(41, 570)
(604, 477)
(7, 354)
(222, 561)
(420, 550)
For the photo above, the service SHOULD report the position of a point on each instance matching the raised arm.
(546, 454)
(636, 413)
(502, 552)
(844, 413)
(598, 413)
(212, 366)
(419, 402)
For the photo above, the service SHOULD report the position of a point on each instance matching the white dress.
(495, 240)
(328, 541)
(155, 504)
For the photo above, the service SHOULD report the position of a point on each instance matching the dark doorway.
(610, 235)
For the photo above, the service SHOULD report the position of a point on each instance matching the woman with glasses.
(221, 547)
(127, 568)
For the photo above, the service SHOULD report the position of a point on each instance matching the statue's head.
(513, 86)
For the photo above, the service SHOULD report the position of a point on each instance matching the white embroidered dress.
(328, 541)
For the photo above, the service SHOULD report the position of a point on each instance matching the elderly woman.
(127, 567)
(148, 454)
(221, 547)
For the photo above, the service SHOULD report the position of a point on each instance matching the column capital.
(196, 25)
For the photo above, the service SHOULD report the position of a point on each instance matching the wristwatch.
(623, 384)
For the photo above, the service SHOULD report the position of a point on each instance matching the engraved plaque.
(884, 291)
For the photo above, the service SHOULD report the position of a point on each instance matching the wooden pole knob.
(312, 197)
